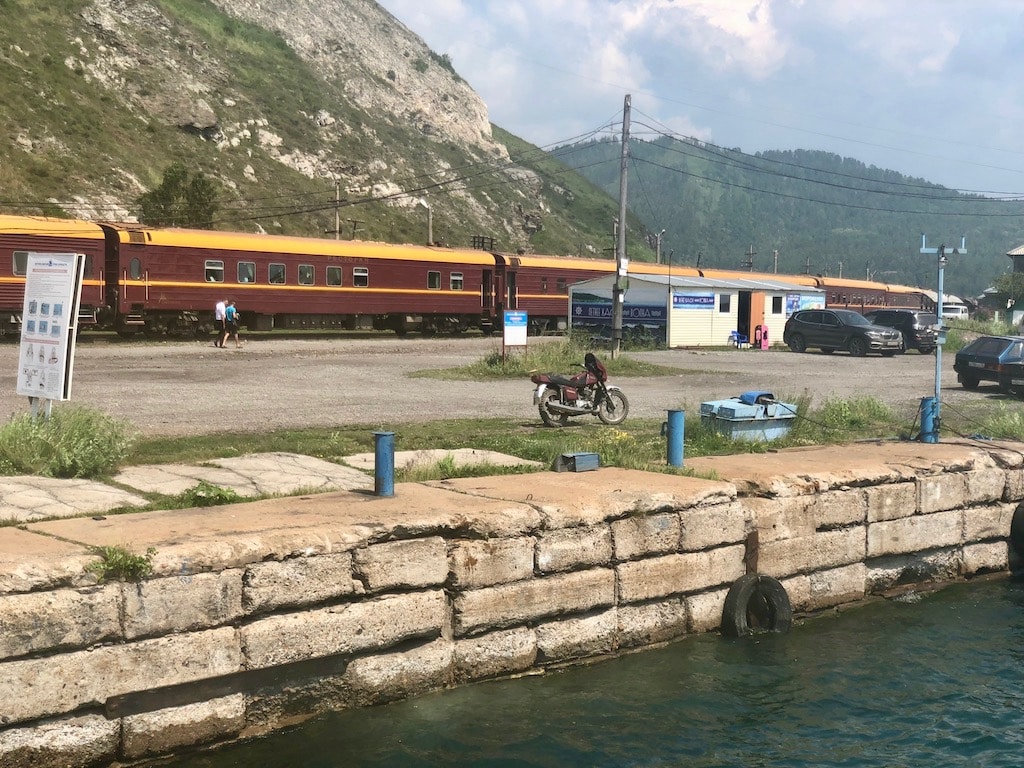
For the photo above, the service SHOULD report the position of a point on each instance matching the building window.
(434, 280)
(334, 275)
(20, 262)
(214, 270)
(776, 305)
(275, 274)
(247, 272)
(306, 274)
(456, 281)
(360, 277)
(724, 302)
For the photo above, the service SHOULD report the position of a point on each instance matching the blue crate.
(741, 420)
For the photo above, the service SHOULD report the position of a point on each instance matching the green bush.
(74, 442)
(121, 564)
(207, 495)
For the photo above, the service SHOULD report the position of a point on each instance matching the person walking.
(220, 315)
(231, 323)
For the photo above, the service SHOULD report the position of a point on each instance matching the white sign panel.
(49, 319)
(515, 328)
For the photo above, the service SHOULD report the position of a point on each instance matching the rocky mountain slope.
(290, 105)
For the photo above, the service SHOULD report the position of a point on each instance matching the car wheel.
(903, 345)
(969, 382)
(858, 347)
(798, 343)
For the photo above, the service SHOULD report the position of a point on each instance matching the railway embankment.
(261, 614)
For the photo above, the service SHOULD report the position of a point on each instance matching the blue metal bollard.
(384, 463)
(929, 413)
(674, 428)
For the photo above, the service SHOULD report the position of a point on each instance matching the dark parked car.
(832, 329)
(1011, 379)
(985, 357)
(918, 328)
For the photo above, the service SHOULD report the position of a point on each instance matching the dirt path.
(183, 388)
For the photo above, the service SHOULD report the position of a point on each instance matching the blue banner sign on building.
(642, 313)
(693, 301)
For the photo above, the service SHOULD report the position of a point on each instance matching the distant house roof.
(1018, 251)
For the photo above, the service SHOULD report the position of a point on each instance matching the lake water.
(932, 680)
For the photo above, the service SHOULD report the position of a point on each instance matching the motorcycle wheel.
(550, 418)
(613, 408)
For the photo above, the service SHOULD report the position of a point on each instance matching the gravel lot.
(185, 388)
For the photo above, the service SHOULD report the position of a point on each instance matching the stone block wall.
(515, 575)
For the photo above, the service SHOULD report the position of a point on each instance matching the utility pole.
(337, 209)
(355, 225)
(657, 247)
(621, 263)
(750, 254)
(775, 261)
(840, 269)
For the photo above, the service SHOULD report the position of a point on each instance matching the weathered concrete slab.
(23, 499)
(799, 471)
(586, 498)
(260, 474)
(29, 561)
(193, 540)
(460, 456)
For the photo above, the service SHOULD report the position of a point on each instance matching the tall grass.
(75, 442)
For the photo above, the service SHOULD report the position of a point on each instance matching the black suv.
(832, 329)
(917, 327)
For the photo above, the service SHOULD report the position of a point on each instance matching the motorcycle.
(585, 394)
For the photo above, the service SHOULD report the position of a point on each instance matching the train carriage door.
(111, 271)
(512, 285)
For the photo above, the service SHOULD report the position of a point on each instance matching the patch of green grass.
(559, 356)
(118, 563)
(74, 442)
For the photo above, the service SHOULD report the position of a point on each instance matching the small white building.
(691, 311)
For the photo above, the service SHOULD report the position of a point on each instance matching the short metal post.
(929, 420)
(675, 429)
(384, 463)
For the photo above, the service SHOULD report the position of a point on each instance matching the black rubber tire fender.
(756, 603)
(1017, 530)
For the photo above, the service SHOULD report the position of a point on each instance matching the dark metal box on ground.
(577, 462)
(751, 416)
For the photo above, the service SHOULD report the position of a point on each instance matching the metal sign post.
(931, 407)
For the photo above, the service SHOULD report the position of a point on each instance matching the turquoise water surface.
(930, 680)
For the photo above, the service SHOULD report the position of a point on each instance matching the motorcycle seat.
(564, 381)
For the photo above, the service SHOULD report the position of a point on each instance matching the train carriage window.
(88, 266)
(214, 270)
(456, 281)
(275, 274)
(247, 271)
(307, 274)
(135, 270)
(360, 277)
(20, 262)
(334, 275)
(543, 285)
(724, 302)
(433, 280)
(776, 305)
(560, 285)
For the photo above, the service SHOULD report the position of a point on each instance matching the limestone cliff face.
(381, 113)
(380, 64)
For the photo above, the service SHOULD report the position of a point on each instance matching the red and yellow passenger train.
(166, 281)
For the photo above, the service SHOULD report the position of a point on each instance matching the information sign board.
(515, 328)
(49, 321)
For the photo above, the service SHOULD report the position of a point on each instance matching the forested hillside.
(822, 213)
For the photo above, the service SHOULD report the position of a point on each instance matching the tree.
(181, 200)
(1011, 286)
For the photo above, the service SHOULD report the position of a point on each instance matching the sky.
(933, 89)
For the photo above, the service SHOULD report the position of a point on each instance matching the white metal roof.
(683, 281)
